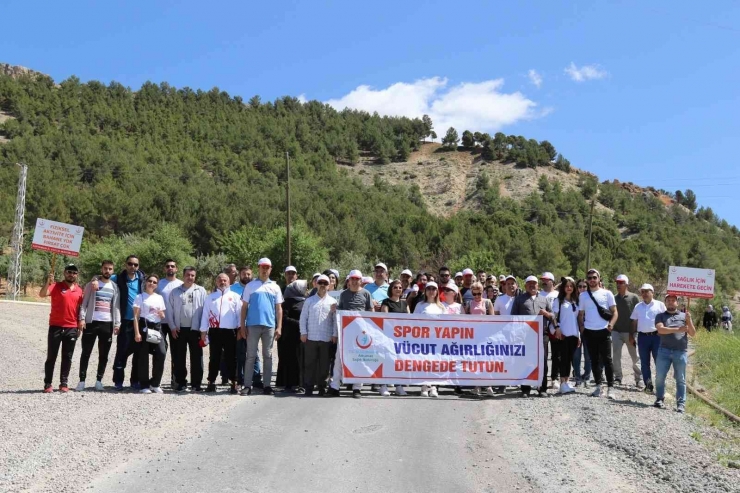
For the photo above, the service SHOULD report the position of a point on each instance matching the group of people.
(710, 319)
(148, 314)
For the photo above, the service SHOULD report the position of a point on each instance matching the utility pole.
(287, 199)
(16, 257)
(590, 230)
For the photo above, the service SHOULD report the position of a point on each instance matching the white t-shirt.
(503, 304)
(645, 315)
(429, 308)
(568, 317)
(593, 320)
(165, 287)
(550, 296)
(149, 306)
(452, 308)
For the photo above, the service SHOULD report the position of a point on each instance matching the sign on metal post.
(52, 236)
(691, 282)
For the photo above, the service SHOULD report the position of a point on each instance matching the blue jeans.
(586, 375)
(679, 358)
(647, 344)
(125, 347)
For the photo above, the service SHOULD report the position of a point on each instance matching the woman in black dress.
(289, 345)
(394, 304)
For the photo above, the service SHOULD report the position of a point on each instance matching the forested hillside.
(209, 169)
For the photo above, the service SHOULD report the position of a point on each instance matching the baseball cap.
(491, 277)
(317, 274)
(355, 274)
(407, 272)
(335, 272)
(594, 271)
(322, 277)
(458, 274)
(647, 287)
(265, 261)
(468, 272)
(502, 277)
(530, 279)
(671, 295)
(509, 277)
(71, 267)
(624, 279)
(452, 286)
(431, 285)
(367, 280)
(290, 268)
(381, 264)
(548, 275)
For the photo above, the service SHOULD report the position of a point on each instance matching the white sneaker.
(489, 392)
(400, 390)
(433, 392)
(475, 391)
(145, 391)
(157, 390)
(555, 385)
(384, 391)
(597, 391)
(611, 393)
(566, 388)
(99, 386)
(80, 387)
(425, 390)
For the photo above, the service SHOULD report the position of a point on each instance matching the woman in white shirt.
(430, 305)
(450, 299)
(148, 316)
(565, 308)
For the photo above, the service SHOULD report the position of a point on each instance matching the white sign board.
(52, 236)
(690, 282)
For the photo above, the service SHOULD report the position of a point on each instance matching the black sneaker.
(258, 384)
(357, 394)
(197, 388)
(211, 387)
(224, 381)
(232, 389)
(181, 388)
(299, 390)
(322, 391)
(268, 391)
(659, 404)
(618, 381)
(458, 390)
(246, 391)
(332, 392)
(544, 394)
(309, 391)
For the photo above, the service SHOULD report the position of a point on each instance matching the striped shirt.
(317, 320)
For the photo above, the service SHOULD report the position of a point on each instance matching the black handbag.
(605, 313)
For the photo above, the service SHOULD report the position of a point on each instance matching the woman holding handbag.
(148, 315)
(567, 337)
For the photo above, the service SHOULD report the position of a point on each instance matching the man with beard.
(184, 316)
(164, 288)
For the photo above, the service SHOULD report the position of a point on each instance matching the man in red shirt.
(64, 328)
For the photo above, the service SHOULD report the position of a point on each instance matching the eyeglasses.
(478, 294)
(444, 275)
(170, 266)
(397, 287)
(582, 287)
(323, 283)
(151, 282)
(131, 264)
(591, 278)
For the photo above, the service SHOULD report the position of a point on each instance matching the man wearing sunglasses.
(64, 328)
(165, 287)
(624, 331)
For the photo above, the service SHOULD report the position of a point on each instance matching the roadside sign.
(691, 282)
(52, 236)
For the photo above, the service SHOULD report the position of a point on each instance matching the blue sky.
(657, 103)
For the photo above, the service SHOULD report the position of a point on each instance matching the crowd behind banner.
(587, 327)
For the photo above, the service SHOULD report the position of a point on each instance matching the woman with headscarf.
(290, 350)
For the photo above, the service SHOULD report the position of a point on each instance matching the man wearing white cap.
(624, 332)
(596, 318)
(532, 303)
(548, 291)
(648, 340)
(291, 274)
(261, 320)
(406, 276)
(467, 283)
(354, 298)
(502, 305)
(379, 288)
(318, 332)
(458, 279)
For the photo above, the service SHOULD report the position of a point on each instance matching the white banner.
(690, 282)
(474, 350)
(52, 236)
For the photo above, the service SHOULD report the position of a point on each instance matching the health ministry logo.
(363, 340)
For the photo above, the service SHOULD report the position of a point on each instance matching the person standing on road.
(245, 277)
(430, 305)
(673, 327)
(220, 320)
(597, 316)
(458, 279)
(648, 340)
(565, 308)
(100, 318)
(710, 318)
(317, 332)
(290, 274)
(479, 306)
(531, 302)
(64, 327)
(290, 350)
(547, 279)
(149, 312)
(164, 288)
(261, 320)
(394, 303)
(406, 276)
(467, 283)
(184, 313)
(503, 304)
(624, 331)
(582, 378)
(379, 288)
(727, 319)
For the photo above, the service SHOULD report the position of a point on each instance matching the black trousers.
(169, 343)
(222, 340)
(103, 332)
(555, 358)
(599, 343)
(157, 351)
(188, 339)
(316, 362)
(566, 348)
(65, 337)
(526, 389)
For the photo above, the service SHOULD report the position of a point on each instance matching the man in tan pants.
(624, 332)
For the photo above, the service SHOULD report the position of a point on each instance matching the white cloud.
(587, 72)
(474, 106)
(302, 99)
(535, 78)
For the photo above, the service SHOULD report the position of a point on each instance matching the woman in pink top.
(479, 305)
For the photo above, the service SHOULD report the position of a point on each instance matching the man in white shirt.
(648, 339)
(502, 305)
(596, 330)
(220, 320)
(548, 291)
(318, 332)
(164, 289)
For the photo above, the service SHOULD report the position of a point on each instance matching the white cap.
(530, 279)
(290, 268)
(322, 277)
(510, 277)
(316, 275)
(265, 261)
(623, 278)
(335, 272)
(451, 285)
(431, 285)
(407, 272)
(381, 264)
(594, 271)
(355, 274)
(468, 272)
(458, 274)
(367, 280)
(647, 287)
(501, 278)
(547, 275)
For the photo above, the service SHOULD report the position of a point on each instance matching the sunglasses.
(397, 287)
(151, 282)
(170, 267)
(131, 264)
(444, 275)
(591, 278)
(582, 287)
(478, 294)
(323, 283)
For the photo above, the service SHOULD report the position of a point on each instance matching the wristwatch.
(609, 326)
